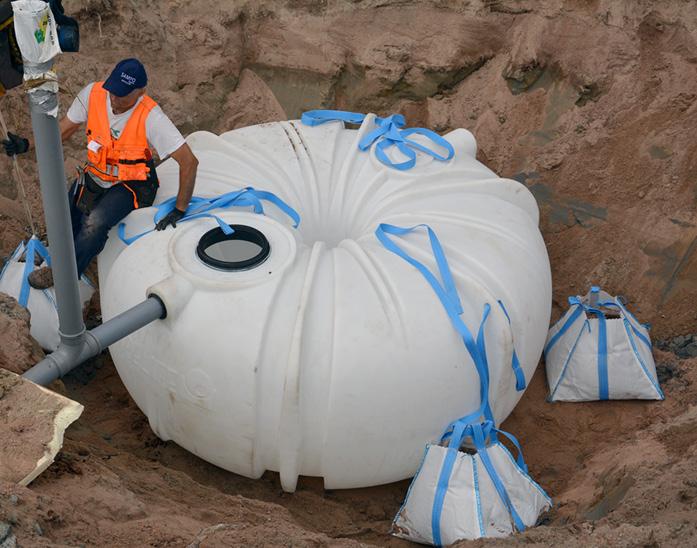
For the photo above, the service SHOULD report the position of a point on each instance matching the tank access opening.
(244, 249)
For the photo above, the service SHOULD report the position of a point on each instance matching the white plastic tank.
(332, 357)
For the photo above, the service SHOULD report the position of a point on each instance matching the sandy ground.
(591, 104)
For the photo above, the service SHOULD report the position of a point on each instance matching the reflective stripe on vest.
(122, 159)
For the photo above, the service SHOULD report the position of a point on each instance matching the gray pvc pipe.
(127, 322)
(49, 155)
(67, 357)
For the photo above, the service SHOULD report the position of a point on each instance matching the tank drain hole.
(245, 248)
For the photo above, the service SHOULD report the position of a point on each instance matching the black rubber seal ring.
(241, 232)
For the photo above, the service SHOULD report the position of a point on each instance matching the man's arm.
(19, 145)
(68, 128)
(188, 165)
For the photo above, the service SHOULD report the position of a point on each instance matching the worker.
(123, 125)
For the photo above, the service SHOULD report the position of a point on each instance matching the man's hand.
(15, 144)
(170, 219)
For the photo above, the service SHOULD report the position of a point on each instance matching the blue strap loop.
(447, 294)
(317, 117)
(388, 133)
(33, 247)
(200, 207)
(481, 436)
(520, 461)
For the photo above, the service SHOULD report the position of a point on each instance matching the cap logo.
(128, 79)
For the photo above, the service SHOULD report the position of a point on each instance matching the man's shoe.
(41, 278)
(38, 259)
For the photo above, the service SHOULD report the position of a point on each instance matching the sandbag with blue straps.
(459, 495)
(41, 303)
(599, 351)
(470, 488)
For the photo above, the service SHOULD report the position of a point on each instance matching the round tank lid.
(244, 249)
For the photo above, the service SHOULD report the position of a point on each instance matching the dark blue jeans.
(90, 232)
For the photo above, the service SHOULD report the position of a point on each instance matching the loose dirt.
(590, 104)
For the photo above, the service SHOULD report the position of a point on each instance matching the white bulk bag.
(36, 32)
(40, 303)
(459, 495)
(599, 351)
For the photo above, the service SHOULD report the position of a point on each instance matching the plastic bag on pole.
(36, 31)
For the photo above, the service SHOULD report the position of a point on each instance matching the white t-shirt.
(162, 135)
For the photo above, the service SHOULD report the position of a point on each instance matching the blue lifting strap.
(480, 434)
(573, 301)
(603, 381)
(447, 293)
(388, 133)
(317, 117)
(444, 479)
(639, 334)
(33, 247)
(201, 207)
(520, 382)
(629, 318)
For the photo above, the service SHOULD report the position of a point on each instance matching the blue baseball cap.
(127, 75)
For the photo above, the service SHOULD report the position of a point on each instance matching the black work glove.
(15, 144)
(170, 219)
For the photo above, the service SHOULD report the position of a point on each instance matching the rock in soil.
(32, 423)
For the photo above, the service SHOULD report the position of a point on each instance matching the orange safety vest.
(122, 159)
